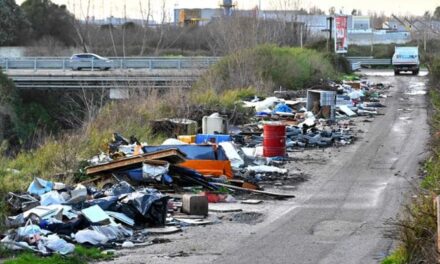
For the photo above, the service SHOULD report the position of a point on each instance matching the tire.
(78, 69)
(396, 72)
(416, 72)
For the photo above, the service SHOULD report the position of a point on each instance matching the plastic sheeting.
(120, 188)
(232, 154)
(148, 205)
(59, 245)
(282, 108)
(90, 236)
(106, 203)
(150, 172)
(50, 198)
(39, 186)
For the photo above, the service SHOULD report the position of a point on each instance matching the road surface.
(339, 213)
(342, 220)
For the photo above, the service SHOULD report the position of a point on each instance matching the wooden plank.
(279, 195)
(159, 157)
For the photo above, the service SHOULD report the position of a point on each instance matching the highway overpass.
(46, 73)
(121, 79)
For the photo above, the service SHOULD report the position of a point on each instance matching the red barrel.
(274, 140)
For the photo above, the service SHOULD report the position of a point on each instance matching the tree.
(49, 19)
(332, 11)
(314, 10)
(437, 13)
(13, 24)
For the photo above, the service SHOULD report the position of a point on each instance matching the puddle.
(417, 88)
(416, 93)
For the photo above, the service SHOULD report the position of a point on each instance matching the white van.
(406, 59)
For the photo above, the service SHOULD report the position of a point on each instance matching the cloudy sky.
(105, 8)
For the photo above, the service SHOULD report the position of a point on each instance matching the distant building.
(359, 23)
(118, 21)
(395, 25)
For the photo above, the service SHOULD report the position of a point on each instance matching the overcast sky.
(105, 8)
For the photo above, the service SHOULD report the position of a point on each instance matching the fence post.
(437, 203)
(35, 64)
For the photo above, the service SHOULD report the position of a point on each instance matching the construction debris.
(149, 190)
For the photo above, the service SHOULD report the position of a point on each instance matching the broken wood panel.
(160, 157)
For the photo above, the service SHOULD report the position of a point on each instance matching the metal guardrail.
(368, 61)
(355, 66)
(150, 63)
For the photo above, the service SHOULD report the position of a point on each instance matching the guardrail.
(150, 63)
(368, 61)
(355, 66)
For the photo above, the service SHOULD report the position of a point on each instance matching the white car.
(90, 61)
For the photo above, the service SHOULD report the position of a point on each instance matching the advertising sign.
(341, 41)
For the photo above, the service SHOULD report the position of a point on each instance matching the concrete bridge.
(45, 73)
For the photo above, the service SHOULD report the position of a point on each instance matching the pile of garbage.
(144, 190)
(322, 119)
(135, 190)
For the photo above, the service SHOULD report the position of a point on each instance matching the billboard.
(341, 40)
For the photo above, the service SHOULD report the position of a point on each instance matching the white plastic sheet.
(90, 236)
(232, 154)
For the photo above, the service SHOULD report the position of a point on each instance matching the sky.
(105, 8)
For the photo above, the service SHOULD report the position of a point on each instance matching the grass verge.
(81, 255)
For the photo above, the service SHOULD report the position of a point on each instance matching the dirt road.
(339, 213)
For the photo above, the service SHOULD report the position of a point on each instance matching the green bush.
(269, 67)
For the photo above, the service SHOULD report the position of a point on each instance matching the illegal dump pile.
(135, 190)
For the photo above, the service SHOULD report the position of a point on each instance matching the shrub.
(268, 67)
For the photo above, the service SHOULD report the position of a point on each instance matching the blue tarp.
(40, 186)
(283, 108)
(193, 152)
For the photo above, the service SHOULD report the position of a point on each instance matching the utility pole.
(330, 30)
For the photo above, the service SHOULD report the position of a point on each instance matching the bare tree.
(161, 27)
(146, 24)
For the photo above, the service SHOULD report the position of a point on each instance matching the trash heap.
(322, 119)
(134, 190)
(143, 190)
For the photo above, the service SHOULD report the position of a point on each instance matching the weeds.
(80, 255)
(417, 229)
